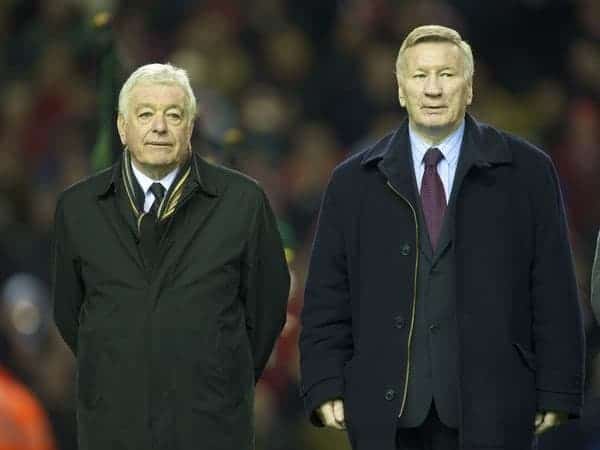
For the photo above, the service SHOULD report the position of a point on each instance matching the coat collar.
(199, 178)
(483, 145)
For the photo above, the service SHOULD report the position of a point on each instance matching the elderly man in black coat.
(441, 309)
(170, 284)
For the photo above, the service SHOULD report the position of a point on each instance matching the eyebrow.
(439, 69)
(149, 105)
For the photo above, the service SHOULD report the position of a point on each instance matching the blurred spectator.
(577, 155)
(23, 423)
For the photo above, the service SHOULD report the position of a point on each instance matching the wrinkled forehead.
(434, 54)
(156, 92)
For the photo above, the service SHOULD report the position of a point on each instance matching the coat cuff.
(560, 402)
(319, 393)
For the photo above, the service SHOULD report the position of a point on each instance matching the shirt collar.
(145, 181)
(450, 146)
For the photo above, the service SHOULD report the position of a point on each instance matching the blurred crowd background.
(286, 89)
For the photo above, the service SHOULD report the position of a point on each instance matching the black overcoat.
(521, 341)
(167, 358)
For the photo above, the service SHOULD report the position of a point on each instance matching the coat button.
(405, 250)
(390, 394)
(434, 328)
(399, 322)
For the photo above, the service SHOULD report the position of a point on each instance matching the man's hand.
(331, 414)
(548, 419)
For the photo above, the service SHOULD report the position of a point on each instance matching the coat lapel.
(482, 148)
(112, 202)
(394, 161)
(198, 201)
(398, 167)
(467, 159)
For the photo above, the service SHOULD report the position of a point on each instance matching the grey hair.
(159, 74)
(437, 33)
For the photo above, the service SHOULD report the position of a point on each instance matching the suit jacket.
(520, 333)
(168, 355)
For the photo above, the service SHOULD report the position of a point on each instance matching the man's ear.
(190, 133)
(122, 127)
(401, 96)
(470, 93)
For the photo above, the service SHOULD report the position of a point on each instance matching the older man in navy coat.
(441, 309)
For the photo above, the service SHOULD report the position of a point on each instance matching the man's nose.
(433, 86)
(159, 123)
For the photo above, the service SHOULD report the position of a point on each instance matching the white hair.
(437, 33)
(159, 74)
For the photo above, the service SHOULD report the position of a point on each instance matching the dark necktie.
(150, 228)
(159, 192)
(433, 197)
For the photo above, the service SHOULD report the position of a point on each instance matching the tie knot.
(158, 190)
(432, 157)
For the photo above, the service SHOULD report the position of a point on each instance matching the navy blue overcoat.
(521, 340)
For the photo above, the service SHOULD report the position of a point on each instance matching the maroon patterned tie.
(433, 198)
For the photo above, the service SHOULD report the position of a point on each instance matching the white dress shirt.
(145, 183)
(446, 168)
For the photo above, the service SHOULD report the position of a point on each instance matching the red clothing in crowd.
(23, 423)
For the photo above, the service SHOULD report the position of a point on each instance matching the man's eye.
(447, 74)
(145, 115)
(419, 75)
(174, 116)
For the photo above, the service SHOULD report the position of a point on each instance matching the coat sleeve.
(326, 338)
(265, 285)
(595, 287)
(558, 333)
(67, 284)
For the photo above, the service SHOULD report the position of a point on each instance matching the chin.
(158, 162)
(160, 159)
(438, 122)
(437, 119)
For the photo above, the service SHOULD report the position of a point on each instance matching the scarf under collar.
(169, 202)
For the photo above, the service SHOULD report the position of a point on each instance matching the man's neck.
(156, 173)
(433, 136)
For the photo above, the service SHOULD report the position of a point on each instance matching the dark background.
(286, 89)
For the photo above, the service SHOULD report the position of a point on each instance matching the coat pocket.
(527, 356)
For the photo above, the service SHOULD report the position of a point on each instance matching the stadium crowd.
(286, 89)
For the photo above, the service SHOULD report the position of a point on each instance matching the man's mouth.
(433, 109)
